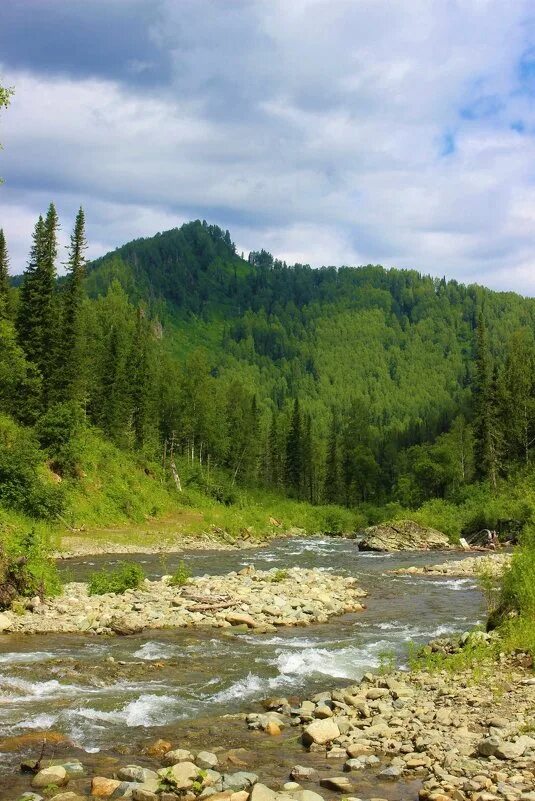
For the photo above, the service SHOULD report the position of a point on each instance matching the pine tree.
(70, 378)
(294, 453)
(333, 484)
(4, 278)
(141, 382)
(485, 413)
(28, 320)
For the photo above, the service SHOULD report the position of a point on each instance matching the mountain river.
(114, 695)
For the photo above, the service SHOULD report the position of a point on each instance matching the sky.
(326, 131)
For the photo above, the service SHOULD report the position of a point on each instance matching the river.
(108, 695)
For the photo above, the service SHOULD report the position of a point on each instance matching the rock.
(124, 627)
(30, 797)
(272, 728)
(103, 787)
(206, 759)
(181, 775)
(323, 711)
(5, 622)
(402, 535)
(56, 774)
(178, 755)
(354, 764)
(359, 749)
(158, 749)
(239, 618)
(65, 797)
(134, 773)
(306, 795)
(488, 746)
(320, 732)
(510, 750)
(303, 774)
(340, 784)
(140, 794)
(242, 780)
(262, 793)
(391, 773)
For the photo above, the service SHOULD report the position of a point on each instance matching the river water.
(105, 694)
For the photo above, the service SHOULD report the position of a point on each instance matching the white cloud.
(315, 129)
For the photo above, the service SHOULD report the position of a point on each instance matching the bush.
(181, 576)
(127, 576)
(26, 568)
(279, 575)
(58, 432)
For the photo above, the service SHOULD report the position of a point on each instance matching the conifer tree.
(294, 453)
(485, 422)
(70, 377)
(333, 484)
(4, 277)
(140, 382)
(28, 318)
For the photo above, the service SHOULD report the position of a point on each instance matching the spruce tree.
(140, 382)
(294, 453)
(4, 277)
(333, 485)
(70, 377)
(28, 319)
(485, 413)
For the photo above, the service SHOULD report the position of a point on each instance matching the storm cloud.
(339, 132)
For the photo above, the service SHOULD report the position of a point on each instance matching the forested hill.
(335, 385)
(379, 359)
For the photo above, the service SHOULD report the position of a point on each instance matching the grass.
(127, 576)
(181, 576)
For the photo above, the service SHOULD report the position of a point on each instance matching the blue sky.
(327, 131)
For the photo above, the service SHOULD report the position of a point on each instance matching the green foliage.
(518, 584)
(26, 567)
(127, 576)
(181, 575)
(278, 575)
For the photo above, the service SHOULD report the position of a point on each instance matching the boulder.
(182, 775)
(206, 759)
(135, 773)
(510, 750)
(141, 794)
(56, 774)
(488, 746)
(101, 787)
(242, 780)
(321, 732)
(240, 618)
(5, 622)
(339, 784)
(262, 793)
(402, 535)
(68, 796)
(306, 795)
(178, 755)
(158, 748)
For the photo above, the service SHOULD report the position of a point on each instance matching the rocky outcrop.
(402, 535)
(493, 565)
(248, 600)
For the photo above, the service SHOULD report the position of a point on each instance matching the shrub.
(127, 576)
(26, 568)
(279, 575)
(181, 575)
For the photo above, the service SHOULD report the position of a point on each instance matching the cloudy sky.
(327, 131)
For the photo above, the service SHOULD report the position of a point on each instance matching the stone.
(140, 794)
(354, 764)
(134, 773)
(56, 774)
(339, 784)
(239, 618)
(5, 622)
(306, 795)
(402, 535)
(510, 750)
(178, 755)
(488, 746)
(158, 748)
(102, 787)
(272, 728)
(323, 711)
(30, 797)
(68, 796)
(304, 774)
(262, 793)
(206, 759)
(182, 774)
(320, 732)
(241, 780)
(359, 749)
(391, 773)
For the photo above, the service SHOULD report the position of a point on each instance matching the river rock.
(262, 793)
(321, 732)
(340, 784)
(206, 759)
(5, 622)
(182, 775)
(30, 797)
(103, 787)
(158, 748)
(306, 795)
(68, 796)
(392, 773)
(135, 773)
(402, 535)
(178, 755)
(239, 618)
(304, 774)
(488, 746)
(141, 794)
(56, 774)
(510, 750)
(242, 780)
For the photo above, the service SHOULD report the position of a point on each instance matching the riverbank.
(491, 564)
(250, 599)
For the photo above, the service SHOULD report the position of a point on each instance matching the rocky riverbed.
(437, 736)
(250, 599)
(492, 564)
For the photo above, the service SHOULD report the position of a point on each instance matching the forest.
(362, 388)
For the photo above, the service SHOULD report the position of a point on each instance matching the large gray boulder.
(402, 535)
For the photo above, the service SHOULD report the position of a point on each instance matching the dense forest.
(351, 386)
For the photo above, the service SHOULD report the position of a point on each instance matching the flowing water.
(105, 694)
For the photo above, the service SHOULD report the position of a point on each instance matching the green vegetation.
(127, 576)
(181, 576)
